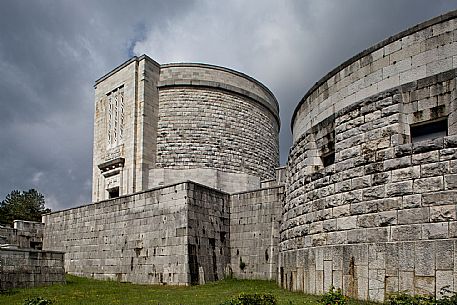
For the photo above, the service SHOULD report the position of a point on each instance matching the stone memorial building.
(187, 188)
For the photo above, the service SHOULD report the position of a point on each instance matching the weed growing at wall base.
(37, 301)
(402, 298)
(334, 297)
(252, 299)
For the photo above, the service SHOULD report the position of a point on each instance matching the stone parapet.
(204, 75)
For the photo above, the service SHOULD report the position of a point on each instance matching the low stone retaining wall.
(20, 268)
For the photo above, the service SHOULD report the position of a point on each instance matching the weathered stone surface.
(375, 235)
(443, 213)
(450, 182)
(432, 156)
(429, 145)
(424, 285)
(376, 192)
(415, 215)
(435, 230)
(433, 169)
(406, 232)
(432, 184)
(346, 223)
(26, 268)
(445, 258)
(357, 236)
(411, 201)
(399, 188)
(440, 198)
(424, 258)
(406, 173)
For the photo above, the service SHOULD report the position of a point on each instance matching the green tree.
(26, 205)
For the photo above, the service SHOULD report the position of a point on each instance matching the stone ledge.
(220, 86)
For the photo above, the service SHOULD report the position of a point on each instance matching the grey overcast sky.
(51, 52)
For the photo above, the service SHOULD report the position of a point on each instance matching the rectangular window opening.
(328, 158)
(113, 193)
(429, 130)
(328, 151)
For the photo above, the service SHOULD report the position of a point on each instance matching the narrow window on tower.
(115, 117)
(328, 150)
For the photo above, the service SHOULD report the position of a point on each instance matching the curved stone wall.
(216, 118)
(370, 207)
(424, 50)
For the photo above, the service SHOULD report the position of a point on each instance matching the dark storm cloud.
(50, 54)
(52, 51)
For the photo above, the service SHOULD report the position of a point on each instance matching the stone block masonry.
(180, 234)
(25, 268)
(197, 130)
(22, 263)
(208, 234)
(378, 217)
(254, 232)
(176, 234)
(140, 238)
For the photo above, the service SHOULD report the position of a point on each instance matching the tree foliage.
(25, 205)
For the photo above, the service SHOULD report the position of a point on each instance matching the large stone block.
(424, 259)
(399, 188)
(425, 185)
(415, 215)
(435, 230)
(406, 232)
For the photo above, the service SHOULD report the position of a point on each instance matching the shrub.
(334, 297)
(252, 299)
(448, 297)
(37, 301)
(402, 298)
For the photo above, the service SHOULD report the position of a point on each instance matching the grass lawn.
(83, 291)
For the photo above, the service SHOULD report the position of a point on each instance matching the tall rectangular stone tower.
(125, 129)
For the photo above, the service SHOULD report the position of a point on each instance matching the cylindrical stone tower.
(216, 126)
(162, 124)
(372, 175)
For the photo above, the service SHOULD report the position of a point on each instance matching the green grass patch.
(84, 291)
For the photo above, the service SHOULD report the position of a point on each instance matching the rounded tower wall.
(215, 125)
(371, 190)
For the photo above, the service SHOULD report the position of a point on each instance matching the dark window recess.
(328, 158)
(328, 149)
(36, 245)
(429, 130)
(113, 193)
